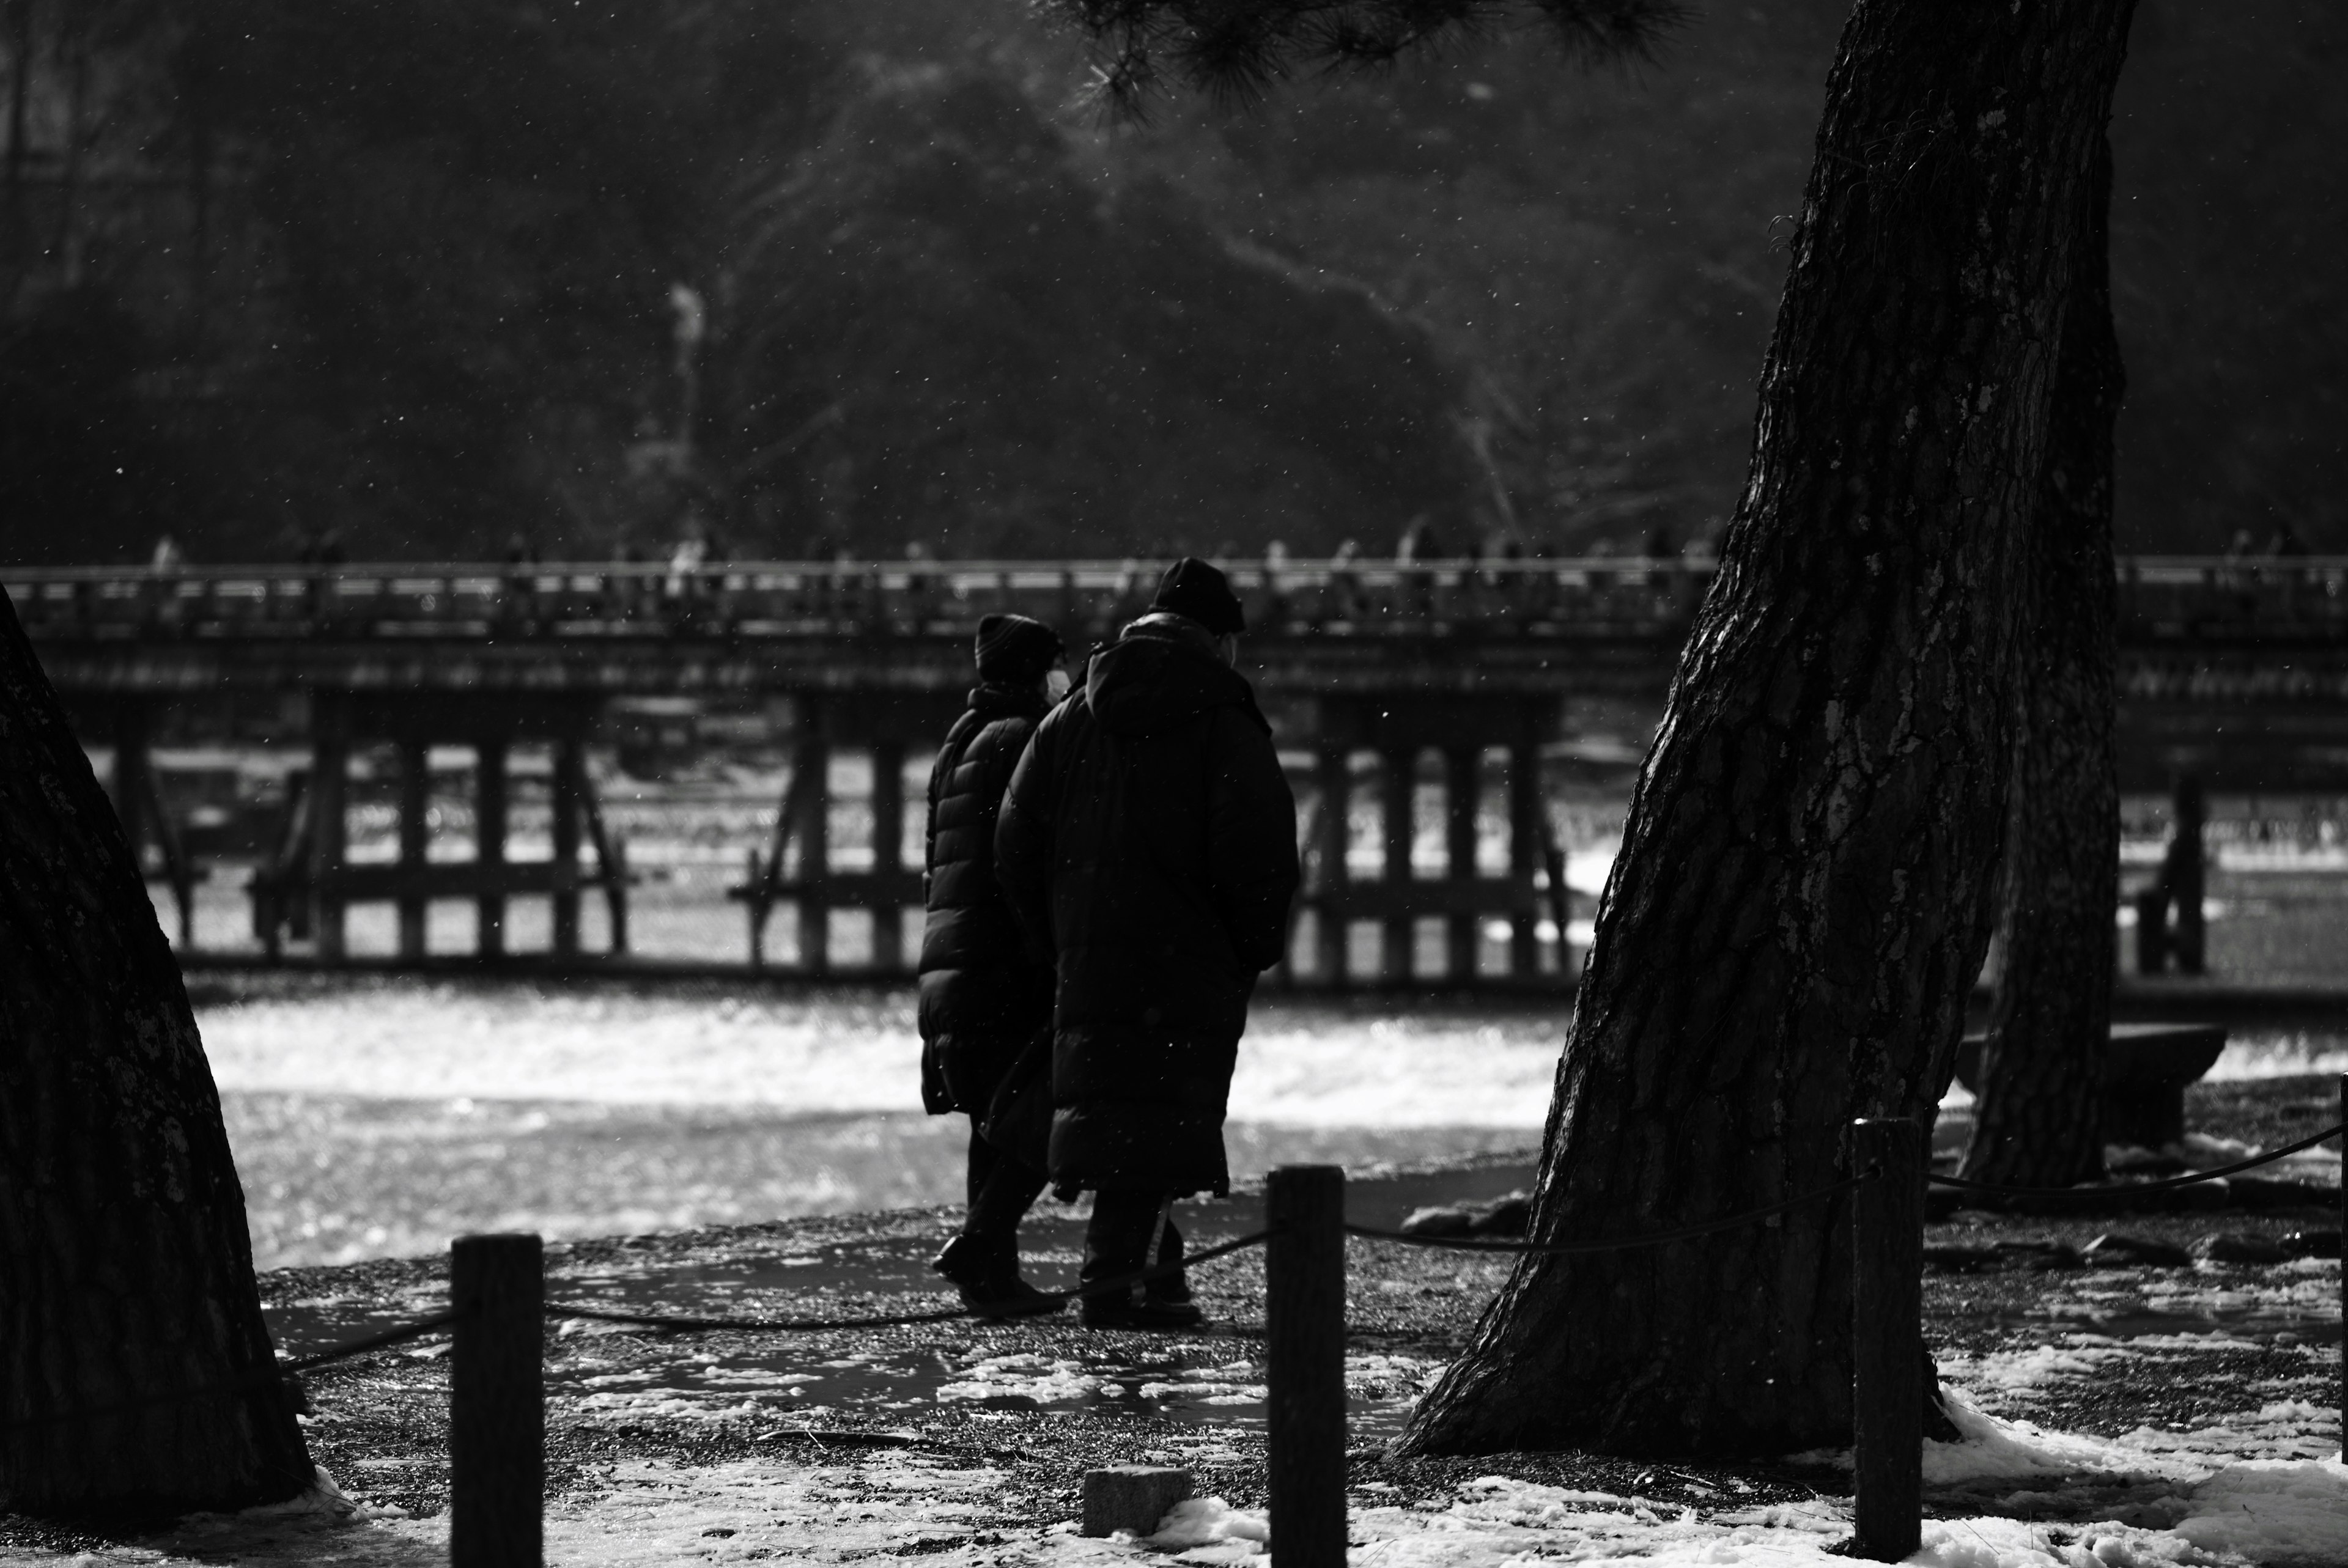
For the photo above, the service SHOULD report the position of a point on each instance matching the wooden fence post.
(1887, 1339)
(1304, 1324)
(496, 1409)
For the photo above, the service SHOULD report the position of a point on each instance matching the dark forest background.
(407, 273)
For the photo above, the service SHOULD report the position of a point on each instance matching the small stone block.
(1132, 1497)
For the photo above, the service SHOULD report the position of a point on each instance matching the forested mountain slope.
(404, 271)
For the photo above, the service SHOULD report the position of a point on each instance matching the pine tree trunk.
(1805, 891)
(126, 1271)
(2039, 1121)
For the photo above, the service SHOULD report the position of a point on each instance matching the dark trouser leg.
(999, 1195)
(1129, 1231)
(982, 1161)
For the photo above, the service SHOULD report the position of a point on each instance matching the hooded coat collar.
(991, 700)
(1162, 674)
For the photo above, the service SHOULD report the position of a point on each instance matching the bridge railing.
(1597, 595)
(1593, 596)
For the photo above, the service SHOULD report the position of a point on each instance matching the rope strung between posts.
(817, 1325)
(259, 1378)
(2132, 1188)
(1655, 1238)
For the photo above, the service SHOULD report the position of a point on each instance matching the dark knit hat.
(1192, 587)
(1013, 650)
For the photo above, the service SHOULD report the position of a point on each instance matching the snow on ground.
(2278, 1514)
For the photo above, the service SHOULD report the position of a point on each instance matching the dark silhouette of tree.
(2038, 1122)
(135, 1375)
(1806, 885)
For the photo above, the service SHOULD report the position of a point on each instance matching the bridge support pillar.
(569, 788)
(489, 802)
(415, 835)
(1526, 837)
(329, 767)
(1460, 788)
(1334, 825)
(1401, 780)
(811, 761)
(888, 852)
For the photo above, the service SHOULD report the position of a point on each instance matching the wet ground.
(2201, 1362)
(965, 1439)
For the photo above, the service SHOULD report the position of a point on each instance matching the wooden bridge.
(2235, 673)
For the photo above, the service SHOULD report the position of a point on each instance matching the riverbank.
(2154, 1412)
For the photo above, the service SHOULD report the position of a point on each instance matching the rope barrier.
(2134, 1187)
(1567, 1249)
(677, 1324)
(250, 1380)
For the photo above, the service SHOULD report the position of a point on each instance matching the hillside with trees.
(405, 276)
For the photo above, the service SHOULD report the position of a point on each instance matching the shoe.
(1115, 1312)
(1172, 1289)
(1012, 1297)
(986, 1275)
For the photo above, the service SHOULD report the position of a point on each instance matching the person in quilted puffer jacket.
(984, 1001)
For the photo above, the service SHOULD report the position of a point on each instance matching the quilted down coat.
(1148, 845)
(982, 997)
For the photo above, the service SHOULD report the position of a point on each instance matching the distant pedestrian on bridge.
(1148, 845)
(986, 1006)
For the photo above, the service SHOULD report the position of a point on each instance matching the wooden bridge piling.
(1527, 835)
(888, 853)
(567, 785)
(1333, 825)
(330, 768)
(415, 827)
(489, 802)
(1461, 767)
(1398, 935)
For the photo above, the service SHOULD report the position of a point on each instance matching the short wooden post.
(415, 835)
(1459, 802)
(1886, 1339)
(1333, 825)
(489, 846)
(496, 1402)
(1304, 1342)
(1401, 779)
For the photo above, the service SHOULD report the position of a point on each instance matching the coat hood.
(996, 700)
(1163, 672)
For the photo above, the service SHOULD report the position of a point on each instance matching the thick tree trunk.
(2039, 1122)
(125, 1272)
(1805, 891)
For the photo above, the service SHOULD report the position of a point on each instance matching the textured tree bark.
(125, 1272)
(2039, 1121)
(1805, 891)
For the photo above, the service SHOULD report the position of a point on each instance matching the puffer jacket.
(982, 997)
(1149, 844)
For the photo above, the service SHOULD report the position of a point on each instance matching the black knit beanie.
(1192, 587)
(1013, 650)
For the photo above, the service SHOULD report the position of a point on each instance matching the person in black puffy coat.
(983, 1001)
(1148, 845)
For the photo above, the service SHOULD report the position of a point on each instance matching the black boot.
(1117, 1243)
(985, 1270)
